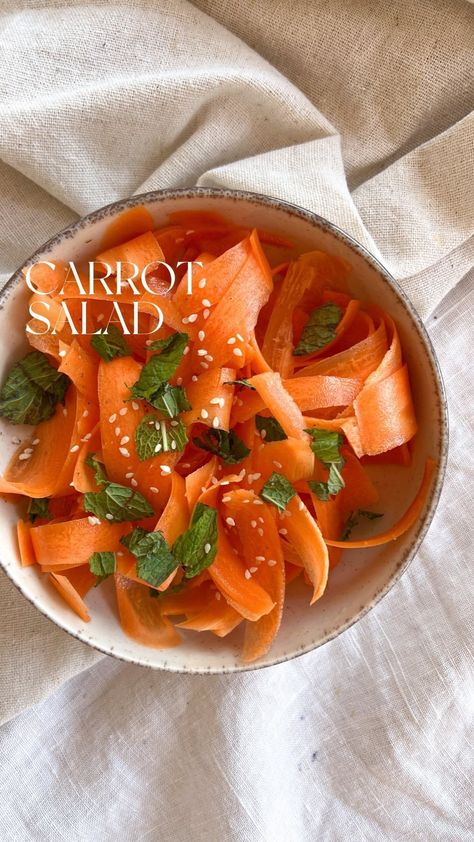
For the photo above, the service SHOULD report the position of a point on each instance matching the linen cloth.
(363, 112)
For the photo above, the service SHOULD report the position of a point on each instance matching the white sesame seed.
(204, 413)
(209, 358)
(165, 469)
(16, 441)
(28, 450)
(37, 441)
(201, 352)
(214, 481)
(206, 313)
(192, 318)
(253, 569)
(241, 475)
(253, 524)
(260, 531)
(239, 336)
(214, 401)
(206, 302)
(64, 410)
(186, 350)
(94, 521)
(135, 406)
(216, 422)
(117, 431)
(259, 558)
(248, 574)
(62, 353)
(230, 521)
(261, 520)
(283, 531)
(218, 595)
(202, 283)
(124, 451)
(277, 464)
(194, 378)
(227, 498)
(238, 352)
(207, 548)
(149, 342)
(113, 418)
(129, 475)
(257, 475)
(271, 562)
(125, 440)
(87, 437)
(173, 445)
(123, 411)
(174, 423)
(184, 321)
(263, 434)
(158, 447)
(221, 402)
(23, 456)
(232, 340)
(133, 482)
(201, 335)
(74, 448)
(258, 502)
(204, 365)
(85, 413)
(154, 490)
(109, 516)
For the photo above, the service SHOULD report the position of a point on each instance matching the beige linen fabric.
(361, 111)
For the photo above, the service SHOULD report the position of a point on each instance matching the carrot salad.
(203, 467)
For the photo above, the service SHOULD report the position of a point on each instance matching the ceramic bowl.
(364, 576)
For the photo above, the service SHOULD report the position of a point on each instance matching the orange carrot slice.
(140, 615)
(280, 403)
(27, 553)
(305, 535)
(70, 595)
(75, 541)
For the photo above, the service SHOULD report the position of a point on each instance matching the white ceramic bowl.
(364, 576)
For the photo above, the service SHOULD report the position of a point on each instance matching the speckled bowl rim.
(323, 224)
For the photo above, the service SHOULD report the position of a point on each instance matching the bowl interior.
(363, 575)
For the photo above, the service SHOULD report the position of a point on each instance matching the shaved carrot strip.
(141, 617)
(277, 346)
(211, 398)
(27, 553)
(81, 368)
(282, 406)
(69, 594)
(142, 251)
(291, 457)
(75, 541)
(305, 535)
(198, 481)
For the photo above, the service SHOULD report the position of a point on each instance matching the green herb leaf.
(196, 549)
(117, 503)
(155, 561)
(39, 508)
(100, 476)
(161, 367)
(326, 446)
(354, 519)
(334, 485)
(32, 390)
(271, 428)
(110, 344)
(319, 330)
(102, 565)
(278, 490)
(241, 383)
(227, 445)
(153, 436)
(170, 400)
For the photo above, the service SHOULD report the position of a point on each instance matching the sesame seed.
(202, 283)
(184, 321)
(37, 441)
(258, 502)
(94, 521)
(109, 516)
(226, 499)
(206, 302)
(186, 350)
(207, 548)
(154, 490)
(201, 335)
(117, 431)
(74, 448)
(201, 352)
(23, 456)
(206, 313)
(191, 231)
(253, 523)
(194, 378)
(192, 318)
(62, 353)
(64, 411)
(204, 413)
(125, 440)
(87, 437)
(218, 595)
(221, 402)
(113, 418)
(263, 434)
(149, 342)
(283, 531)
(214, 481)
(133, 482)
(271, 562)
(85, 413)
(209, 358)
(277, 464)
(261, 520)
(257, 475)
(204, 365)
(239, 336)
(16, 441)
(28, 450)
(216, 422)
(260, 531)
(248, 574)
(135, 406)
(230, 521)
(123, 411)
(165, 469)
(238, 352)
(241, 475)
(214, 401)
(253, 569)
(129, 475)
(232, 340)
(124, 451)
(259, 558)
(174, 423)
(158, 447)
(173, 445)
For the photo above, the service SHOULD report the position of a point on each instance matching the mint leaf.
(227, 445)
(353, 521)
(161, 367)
(241, 383)
(278, 491)
(117, 503)
(271, 428)
(32, 390)
(170, 400)
(155, 561)
(319, 330)
(110, 344)
(196, 549)
(100, 476)
(102, 565)
(39, 508)
(153, 436)
(334, 485)
(326, 446)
